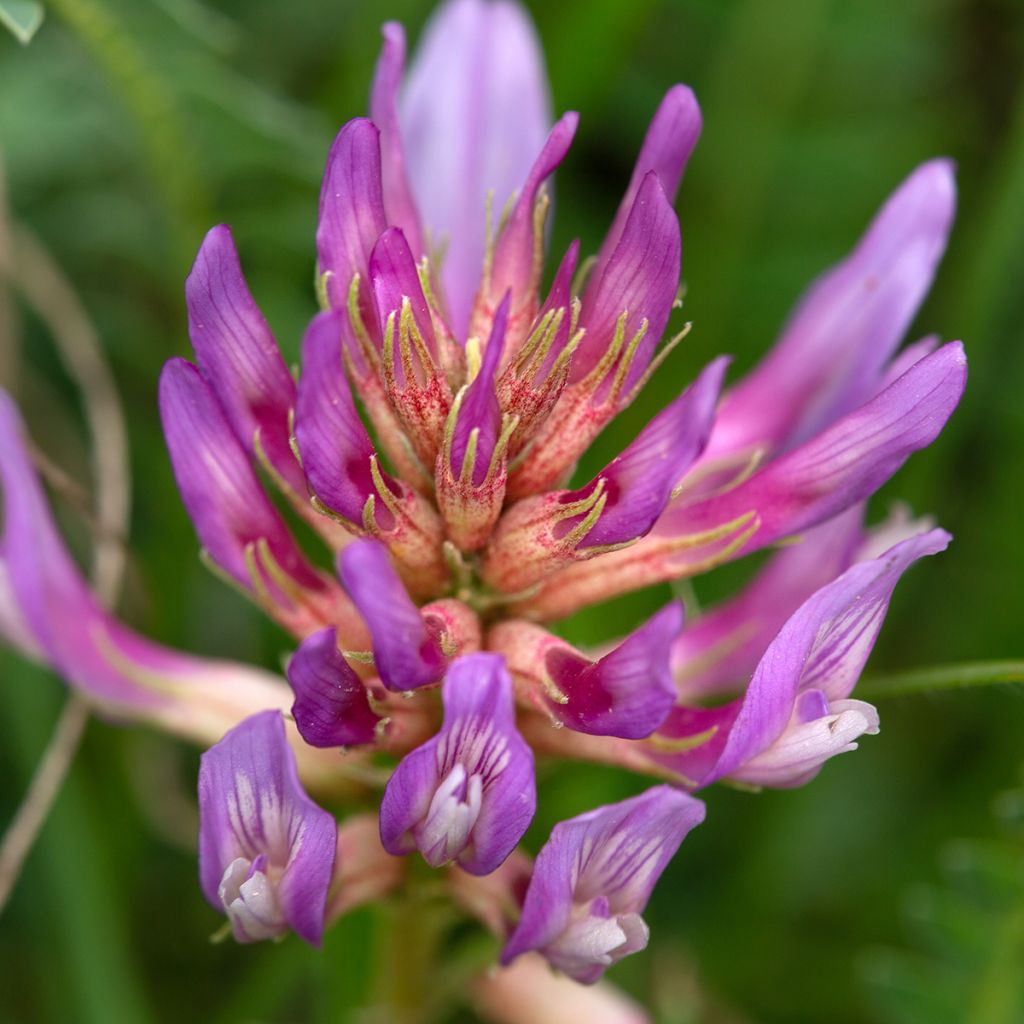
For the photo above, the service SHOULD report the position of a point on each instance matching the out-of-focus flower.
(443, 402)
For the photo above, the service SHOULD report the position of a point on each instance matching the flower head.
(444, 399)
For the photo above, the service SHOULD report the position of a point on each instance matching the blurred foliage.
(968, 936)
(128, 127)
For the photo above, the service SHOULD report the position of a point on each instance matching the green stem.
(409, 938)
(941, 677)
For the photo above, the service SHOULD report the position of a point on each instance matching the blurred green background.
(128, 127)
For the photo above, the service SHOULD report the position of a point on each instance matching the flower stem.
(941, 677)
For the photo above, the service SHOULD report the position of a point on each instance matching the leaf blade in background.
(22, 18)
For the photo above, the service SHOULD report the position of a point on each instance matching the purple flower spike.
(468, 794)
(673, 132)
(832, 353)
(406, 652)
(266, 851)
(626, 693)
(398, 201)
(351, 213)
(238, 356)
(474, 114)
(332, 708)
(796, 712)
(845, 463)
(640, 279)
(220, 489)
(640, 481)
(593, 878)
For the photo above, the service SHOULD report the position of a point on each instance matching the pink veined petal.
(394, 277)
(809, 668)
(351, 216)
(845, 329)
(336, 448)
(670, 139)
(62, 623)
(480, 408)
(629, 691)
(219, 487)
(238, 355)
(399, 204)
(640, 278)
(514, 254)
(845, 463)
(721, 647)
(473, 115)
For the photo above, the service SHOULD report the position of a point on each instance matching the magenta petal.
(629, 691)
(469, 793)
(480, 409)
(721, 648)
(641, 277)
(266, 851)
(474, 115)
(824, 646)
(220, 489)
(351, 210)
(640, 481)
(796, 713)
(405, 652)
(593, 878)
(845, 463)
(57, 618)
(238, 356)
(332, 708)
(394, 277)
(514, 254)
(335, 447)
(667, 146)
(398, 201)
(844, 330)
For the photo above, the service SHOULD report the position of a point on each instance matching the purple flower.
(430, 439)
(468, 794)
(797, 711)
(593, 878)
(266, 851)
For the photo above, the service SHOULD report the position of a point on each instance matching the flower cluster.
(444, 399)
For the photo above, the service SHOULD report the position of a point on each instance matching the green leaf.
(941, 677)
(22, 18)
